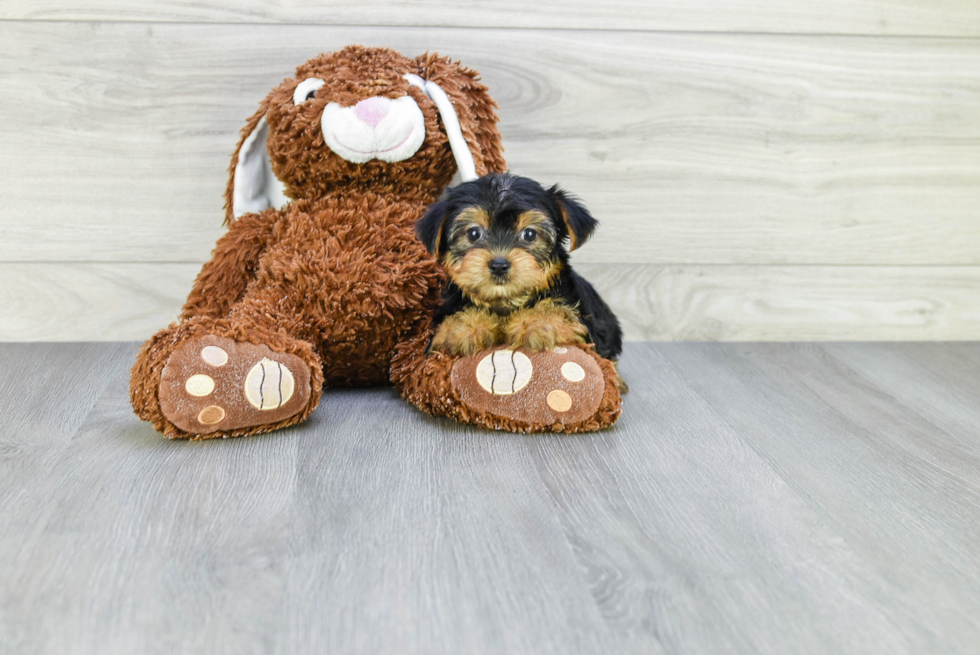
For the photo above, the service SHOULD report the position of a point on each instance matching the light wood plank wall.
(762, 171)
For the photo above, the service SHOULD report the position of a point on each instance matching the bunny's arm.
(233, 264)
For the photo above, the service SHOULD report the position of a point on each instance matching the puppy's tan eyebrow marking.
(531, 217)
(476, 215)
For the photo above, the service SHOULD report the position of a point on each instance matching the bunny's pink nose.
(372, 110)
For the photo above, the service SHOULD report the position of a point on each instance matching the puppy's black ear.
(429, 227)
(578, 221)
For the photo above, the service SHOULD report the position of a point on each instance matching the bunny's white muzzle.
(374, 128)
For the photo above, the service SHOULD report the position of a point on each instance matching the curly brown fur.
(297, 149)
(337, 277)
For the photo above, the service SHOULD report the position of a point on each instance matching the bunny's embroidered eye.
(306, 90)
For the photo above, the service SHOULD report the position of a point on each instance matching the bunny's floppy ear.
(450, 122)
(252, 186)
(463, 100)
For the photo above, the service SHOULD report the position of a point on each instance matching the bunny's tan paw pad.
(558, 388)
(216, 384)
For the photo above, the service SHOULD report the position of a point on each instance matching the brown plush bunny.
(320, 278)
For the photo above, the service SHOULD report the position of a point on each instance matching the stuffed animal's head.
(368, 118)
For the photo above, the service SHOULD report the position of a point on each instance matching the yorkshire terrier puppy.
(501, 239)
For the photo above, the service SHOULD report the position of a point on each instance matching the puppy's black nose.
(499, 265)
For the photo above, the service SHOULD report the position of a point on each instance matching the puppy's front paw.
(468, 332)
(544, 326)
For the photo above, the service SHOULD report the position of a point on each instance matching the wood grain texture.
(832, 443)
(49, 389)
(792, 303)
(91, 302)
(100, 302)
(878, 17)
(443, 541)
(690, 148)
(757, 499)
(938, 383)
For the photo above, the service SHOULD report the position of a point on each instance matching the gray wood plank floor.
(779, 498)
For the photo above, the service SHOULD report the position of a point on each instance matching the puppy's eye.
(528, 235)
(474, 234)
(306, 90)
